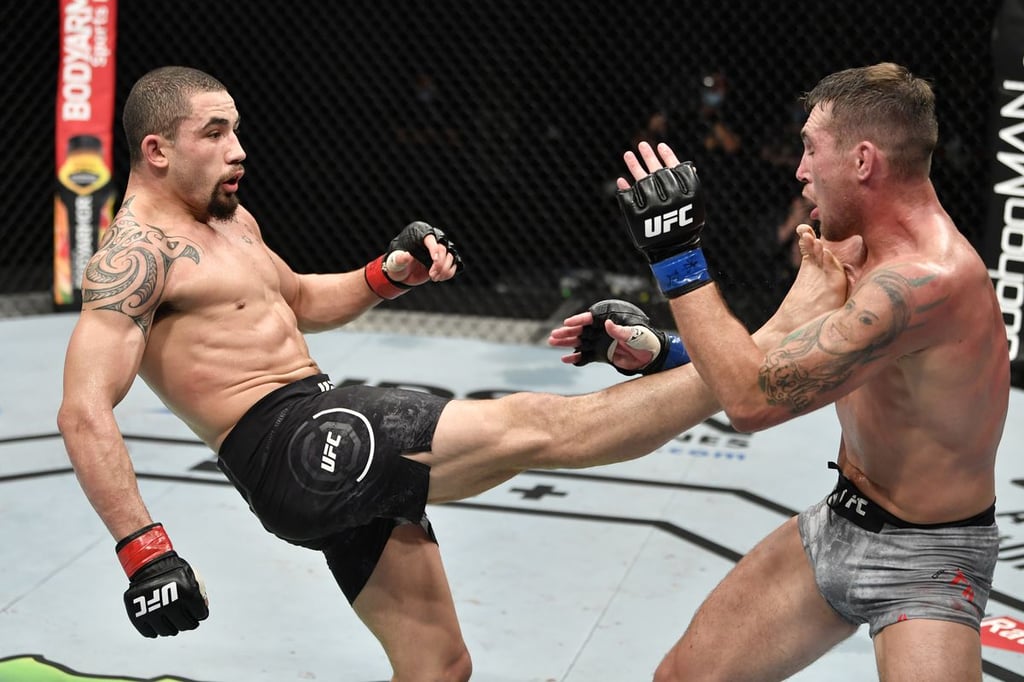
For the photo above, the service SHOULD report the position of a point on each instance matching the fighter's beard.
(222, 206)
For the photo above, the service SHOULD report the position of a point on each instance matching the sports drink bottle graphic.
(83, 211)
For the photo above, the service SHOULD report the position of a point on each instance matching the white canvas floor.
(582, 576)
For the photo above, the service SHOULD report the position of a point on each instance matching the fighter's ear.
(154, 150)
(866, 156)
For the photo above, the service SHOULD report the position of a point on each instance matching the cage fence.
(503, 123)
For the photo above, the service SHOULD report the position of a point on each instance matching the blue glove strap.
(677, 355)
(682, 272)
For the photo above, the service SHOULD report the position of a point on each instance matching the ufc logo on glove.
(662, 224)
(162, 596)
(665, 214)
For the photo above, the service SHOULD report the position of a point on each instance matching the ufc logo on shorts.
(849, 500)
(330, 457)
(161, 597)
(663, 223)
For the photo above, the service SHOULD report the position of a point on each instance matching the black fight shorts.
(322, 467)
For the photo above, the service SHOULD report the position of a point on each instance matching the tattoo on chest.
(129, 272)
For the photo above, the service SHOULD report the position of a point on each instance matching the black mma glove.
(596, 346)
(664, 212)
(164, 596)
(409, 239)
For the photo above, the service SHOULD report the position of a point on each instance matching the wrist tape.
(143, 546)
(677, 355)
(672, 354)
(681, 272)
(379, 282)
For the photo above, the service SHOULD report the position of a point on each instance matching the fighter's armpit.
(129, 273)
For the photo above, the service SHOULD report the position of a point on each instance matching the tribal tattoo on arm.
(129, 272)
(821, 356)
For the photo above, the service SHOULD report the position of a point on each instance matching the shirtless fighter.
(915, 361)
(185, 294)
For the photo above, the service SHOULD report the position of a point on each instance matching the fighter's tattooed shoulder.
(822, 355)
(129, 271)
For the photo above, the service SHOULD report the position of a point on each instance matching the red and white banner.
(84, 201)
(1003, 632)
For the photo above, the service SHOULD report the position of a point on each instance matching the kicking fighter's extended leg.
(479, 444)
(408, 606)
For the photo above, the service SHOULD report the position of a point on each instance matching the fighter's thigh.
(765, 620)
(480, 443)
(921, 649)
(407, 599)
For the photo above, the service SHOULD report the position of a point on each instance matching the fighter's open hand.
(624, 356)
(664, 213)
(618, 333)
(652, 161)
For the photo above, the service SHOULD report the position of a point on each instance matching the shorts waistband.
(259, 418)
(854, 506)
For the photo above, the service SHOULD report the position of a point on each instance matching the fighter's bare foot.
(820, 285)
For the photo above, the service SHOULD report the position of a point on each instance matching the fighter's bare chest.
(230, 262)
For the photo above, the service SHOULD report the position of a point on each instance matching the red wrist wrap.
(149, 545)
(379, 282)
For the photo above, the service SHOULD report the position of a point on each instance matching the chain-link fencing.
(503, 122)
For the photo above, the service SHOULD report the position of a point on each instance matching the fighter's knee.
(535, 423)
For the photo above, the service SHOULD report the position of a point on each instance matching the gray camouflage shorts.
(875, 568)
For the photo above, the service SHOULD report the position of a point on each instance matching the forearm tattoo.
(129, 272)
(824, 354)
(784, 381)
